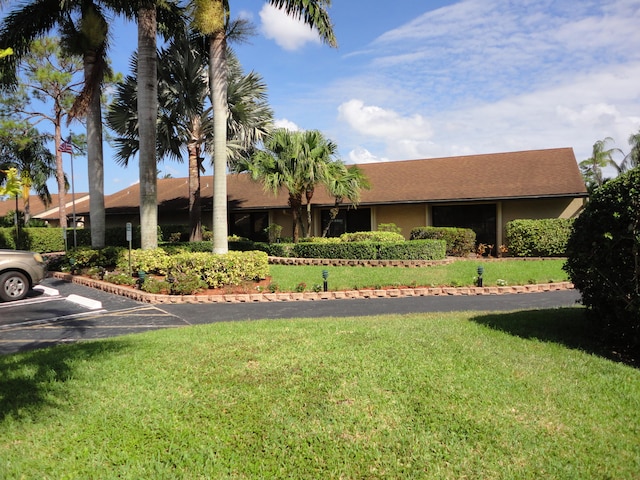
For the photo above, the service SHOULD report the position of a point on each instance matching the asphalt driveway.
(67, 313)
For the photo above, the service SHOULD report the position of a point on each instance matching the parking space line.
(30, 301)
(45, 321)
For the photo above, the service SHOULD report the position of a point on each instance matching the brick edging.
(307, 296)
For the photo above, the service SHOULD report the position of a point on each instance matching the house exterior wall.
(407, 216)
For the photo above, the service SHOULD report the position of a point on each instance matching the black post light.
(480, 272)
(325, 275)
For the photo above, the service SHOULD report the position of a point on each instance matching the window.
(480, 218)
(347, 221)
(250, 225)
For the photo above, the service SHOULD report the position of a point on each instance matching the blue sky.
(421, 78)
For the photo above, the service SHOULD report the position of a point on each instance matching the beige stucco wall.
(541, 208)
(407, 217)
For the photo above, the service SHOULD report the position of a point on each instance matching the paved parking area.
(66, 312)
(61, 312)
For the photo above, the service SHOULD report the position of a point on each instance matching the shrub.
(183, 283)
(119, 278)
(372, 237)
(154, 261)
(538, 238)
(603, 257)
(154, 285)
(415, 250)
(352, 250)
(427, 250)
(233, 268)
(460, 241)
(389, 227)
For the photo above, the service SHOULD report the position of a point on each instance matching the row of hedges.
(538, 238)
(461, 242)
(416, 250)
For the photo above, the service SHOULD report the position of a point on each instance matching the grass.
(461, 395)
(457, 274)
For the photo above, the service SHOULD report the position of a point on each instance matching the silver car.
(19, 272)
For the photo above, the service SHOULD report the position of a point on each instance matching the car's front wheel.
(13, 286)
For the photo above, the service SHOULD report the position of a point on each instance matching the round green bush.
(603, 257)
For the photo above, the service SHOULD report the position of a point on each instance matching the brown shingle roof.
(527, 174)
(37, 207)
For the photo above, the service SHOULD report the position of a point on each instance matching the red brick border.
(141, 296)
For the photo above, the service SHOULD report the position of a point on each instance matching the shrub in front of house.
(427, 250)
(351, 250)
(461, 242)
(603, 259)
(372, 237)
(233, 268)
(538, 238)
(414, 250)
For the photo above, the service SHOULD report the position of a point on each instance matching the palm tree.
(34, 163)
(211, 18)
(632, 159)
(184, 122)
(298, 162)
(34, 20)
(601, 157)
(344, 183)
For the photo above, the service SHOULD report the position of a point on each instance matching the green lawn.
(459, 273)
(463, 395)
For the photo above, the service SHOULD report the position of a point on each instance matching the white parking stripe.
(44, 321)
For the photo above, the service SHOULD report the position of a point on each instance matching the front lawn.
(462, 395)
(460, 273)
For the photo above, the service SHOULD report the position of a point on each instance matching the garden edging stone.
(145, 297)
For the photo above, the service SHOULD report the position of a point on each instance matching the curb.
(145, 297)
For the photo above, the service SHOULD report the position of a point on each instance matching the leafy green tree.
(211, 18)
(298, 162)
(344, 183)
(47, 90)
(184, 121)
(603, 259)
(601, 157)
(25, 149)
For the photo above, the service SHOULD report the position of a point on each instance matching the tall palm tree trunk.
(195, 207)
(95, 160)
(218, 80)
(147, 115)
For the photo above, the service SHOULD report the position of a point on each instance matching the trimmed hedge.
(461, 242)
(418, 250)
(538, 238)
(372, 237)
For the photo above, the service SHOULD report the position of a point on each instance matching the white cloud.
(479, 77)
(382, 123)
(362, 155)
(287, 124)
(288, 32)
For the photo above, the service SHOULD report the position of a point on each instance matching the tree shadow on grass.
(571, 327)
(33, 380)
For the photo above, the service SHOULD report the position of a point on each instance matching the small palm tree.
(344, 183)
(632, 159)
(298, 162)
(601, 157)
(34, 163)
